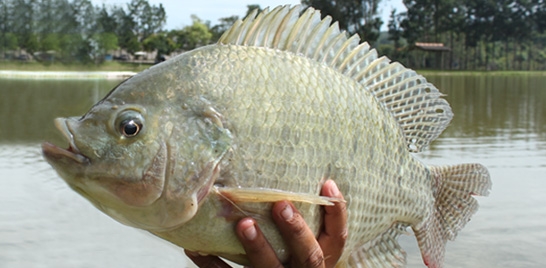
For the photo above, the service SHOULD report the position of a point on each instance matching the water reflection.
(484, 105)
(28, 107)
(499, 120)
(490, 105)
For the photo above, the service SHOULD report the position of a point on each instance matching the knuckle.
(342, 209)
(343, 237)
(315, 259)
(298, 227)
(338, 210)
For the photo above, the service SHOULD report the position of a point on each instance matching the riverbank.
(479, 73)
(35, 70)
(109, 66)
(64, 74)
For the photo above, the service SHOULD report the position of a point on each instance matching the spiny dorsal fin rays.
(345, 51)
(335, 46)
(276, 26)
(281, 33)
(264, 35)
(359, 58)
(291, 21)
(315, 33)
(416, 104)
(252, 34)
(308, 24)
(239, 30)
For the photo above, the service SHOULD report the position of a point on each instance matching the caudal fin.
(453, 207)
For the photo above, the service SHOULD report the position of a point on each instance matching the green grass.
(112, 66)
(473, 72)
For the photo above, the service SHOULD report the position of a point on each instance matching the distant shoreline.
(66, 74)
(106, 74)
(32, 69)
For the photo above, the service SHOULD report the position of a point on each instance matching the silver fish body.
(282, 103)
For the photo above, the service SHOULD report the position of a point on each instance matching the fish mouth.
(52, 151)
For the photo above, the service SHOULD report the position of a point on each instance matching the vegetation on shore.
(458, 35)
(426, 72)
(110, 66)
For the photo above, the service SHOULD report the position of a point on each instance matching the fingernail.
(287, 213)
(250, 232)
(334, 191)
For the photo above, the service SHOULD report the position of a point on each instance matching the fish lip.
(52, 151)
(62, 125)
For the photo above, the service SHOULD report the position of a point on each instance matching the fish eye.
(130, 127)
(130, 123)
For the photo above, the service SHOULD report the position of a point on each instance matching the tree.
(50, 42)
(417, 21)
(69, 47)
(395, 32)
(161, 42)
(85, 17)
(8, 40)
(106, 22)
(356, 17)
(195, 35)
(148, 19)
(159, 18)
(539, 15)
(103, 42)
(127, 39)
(84, 14)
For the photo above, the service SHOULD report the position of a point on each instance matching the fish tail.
(454, 187)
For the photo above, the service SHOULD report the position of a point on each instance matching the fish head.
(140, 160)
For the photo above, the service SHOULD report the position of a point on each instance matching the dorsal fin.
(416, 104)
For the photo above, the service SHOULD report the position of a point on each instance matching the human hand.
(305, 249)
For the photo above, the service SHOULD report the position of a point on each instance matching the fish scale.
(281, 103)
(330, 153)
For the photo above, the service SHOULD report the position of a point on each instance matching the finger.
(258, 250)
(306, 251)
(206, 261)
(332, 238)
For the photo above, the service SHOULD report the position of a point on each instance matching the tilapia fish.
(281, 103)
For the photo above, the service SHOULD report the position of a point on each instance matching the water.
(500, 121)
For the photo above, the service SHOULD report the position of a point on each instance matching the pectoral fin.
(265, 195)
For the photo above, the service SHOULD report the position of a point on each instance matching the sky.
(179, 11)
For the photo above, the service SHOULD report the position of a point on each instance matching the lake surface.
(500, 121)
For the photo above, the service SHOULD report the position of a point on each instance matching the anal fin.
(265, 195)
(382, 252)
